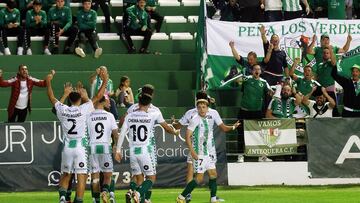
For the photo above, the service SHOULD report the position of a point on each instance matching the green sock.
(112, 185)
(106, 188)
(189, 188)
(213, 187)
(133, 186)
(147, 184)
(62, 192)
(96, 196)
(148, 194)
(68, 195)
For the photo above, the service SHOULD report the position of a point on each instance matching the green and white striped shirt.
(291, 5)
(202, 139)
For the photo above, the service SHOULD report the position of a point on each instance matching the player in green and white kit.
(139, 123)
(214, 119)
(101, 128)
(73, 124)
(292, 9)
(201, 143)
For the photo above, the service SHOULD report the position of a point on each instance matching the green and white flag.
(270, 137)
(346, 61)
(295, 35)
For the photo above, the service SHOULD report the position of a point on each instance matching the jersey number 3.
(138, 132)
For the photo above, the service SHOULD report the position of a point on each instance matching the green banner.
(348, 60)
(271, 137)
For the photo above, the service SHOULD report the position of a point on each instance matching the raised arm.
(268, 53)
(346, 45)
(50, 92)
(123, 132)
(6, 83)
(170, 130)
(332, 102)
(263, 34)
(310, 48)
(227, 128)
(332, 56)
(307, 7)
(292, 70)
(67, 90)
(338, 78)
(104, 77)
(233, 50)
(305, 99)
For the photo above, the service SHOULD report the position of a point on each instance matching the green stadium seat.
(175, 19)
(193, 19)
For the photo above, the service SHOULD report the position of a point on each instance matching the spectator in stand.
(36, 25)
(95, 81)
(24, 6)
(356, 5)
(325, 42)
(10, 26)
(137, 24)
(251, 11)
(336, 9)
(151, 10)
(349, 9)
(320, 8)
(104, 5)
(273, 10)
(275, 59)
(124, 93)
(292, 9)
(21, 89)
(323, 105)
(323, 73)
(284, 107)
(304, 84)
(86, 18)
(254, 91)
(230, 12)
(351, 88)
(247, 63)
(60, 24)
(218, 4)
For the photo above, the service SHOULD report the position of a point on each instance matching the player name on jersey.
(99, 119)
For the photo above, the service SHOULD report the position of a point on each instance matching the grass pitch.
(265, 194)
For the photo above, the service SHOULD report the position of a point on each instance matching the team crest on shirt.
(270, 136)
(14, 15)
(62, 14)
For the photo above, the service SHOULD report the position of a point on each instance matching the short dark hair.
(144, 99)
(148, 89)
(251, 53)
(74, 97)
(140, 0)
(201, 95)
(21, 65)
(102, 99)
(37, 2)
(84, 1)
(11, 4)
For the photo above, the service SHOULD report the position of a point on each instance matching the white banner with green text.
(270, 137)
(295, 35)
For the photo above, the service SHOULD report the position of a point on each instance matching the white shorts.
(189, 159)
(74, 160)
(143, 163)
(204, 163)
(101, 162)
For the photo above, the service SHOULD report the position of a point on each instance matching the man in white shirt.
(323, 105)
(73, 124)
(102, 129)
(21, 91)
(273, 10)
(139, 125)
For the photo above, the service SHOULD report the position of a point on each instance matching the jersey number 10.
(138, 132)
